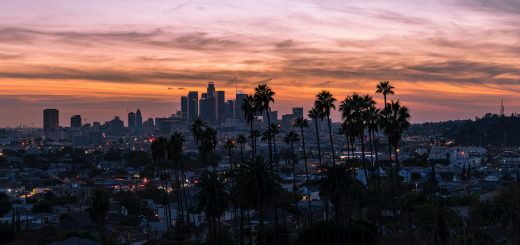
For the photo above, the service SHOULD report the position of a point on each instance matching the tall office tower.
(287, 121)
(184, 108)
(193, 105)
(75, 121)
(138, 119)
(131, 121)
(208, 105)
(116, 127)
(204, 113)
(211, 89)
(273, 116)
(221, 106)
(239, 113)
(229, 109)
(51, 120)
(297, 112)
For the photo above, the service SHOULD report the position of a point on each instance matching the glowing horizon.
(451, 59)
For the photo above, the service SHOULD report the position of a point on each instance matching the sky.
(448, 59)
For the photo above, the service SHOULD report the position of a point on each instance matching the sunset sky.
(448, 59)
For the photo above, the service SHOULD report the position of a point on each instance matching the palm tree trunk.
(318, 140)
(320, 164)
(253, 142)
(241, 222)
(377, 181)
(306, 175)
(363, 164)
(331, 141)
(293, 169)
(269, 142)
(242, 151)
(392, 183)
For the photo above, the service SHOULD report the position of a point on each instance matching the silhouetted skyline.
(450, 59)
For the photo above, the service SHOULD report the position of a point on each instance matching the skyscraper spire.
(502, 108)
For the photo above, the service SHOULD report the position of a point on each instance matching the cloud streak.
(444, 56)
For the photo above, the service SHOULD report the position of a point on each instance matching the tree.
(333, 185)
(241, 140)
(384, 88)
(303, 123)
(325, 103)
(314, 114)
(197, 128)
(250, 109)
(175, 146)
(207, 144)
(5, 204)
(290, 138)
(257, 186)
(98, 211)
(159, 154)
(229, 145)
(396, 123)
(213, 198)
(264, 96)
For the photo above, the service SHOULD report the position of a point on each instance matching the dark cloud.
(156, 38)
(501, 6)
(285, 44)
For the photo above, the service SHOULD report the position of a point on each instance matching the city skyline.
(451, 59)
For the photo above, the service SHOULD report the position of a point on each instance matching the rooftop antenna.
(502, 108)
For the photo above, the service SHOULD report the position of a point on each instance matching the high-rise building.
(221, 106)
(75, 121)
(297, 112)
(138, 120)
(208, 105)
(229, 109)
(51, 119)
(239, 113)
(273, 116)
(184, 108)
(287, 121)
(193, 106)
(211, 89)
(131, 121)
(116, 127)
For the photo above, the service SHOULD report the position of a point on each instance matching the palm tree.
(290, 138)
(250, 109)
(374, 121)
(303, 123)
(346, 109)
(314, 114)
(271, 134)
(208, 143)
(333, 185)
(213, 197)
(100, 205)
(325, 103)
(197, 128)
(159, 149)
(174, 153)
(263, 98)
(241, 140)
(385, 88)
(229, 145)
(396, 123)
(258, 187)
(255, 134)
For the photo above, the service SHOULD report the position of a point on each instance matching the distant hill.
(491, 129)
